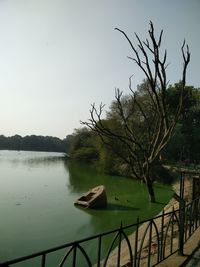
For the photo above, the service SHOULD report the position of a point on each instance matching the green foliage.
(83, 146)
(85, 154)
(176, 146)
(108, 154)
(185, 141)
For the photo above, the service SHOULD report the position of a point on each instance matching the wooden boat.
(94, 198)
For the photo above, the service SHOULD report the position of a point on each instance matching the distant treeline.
(33, 143)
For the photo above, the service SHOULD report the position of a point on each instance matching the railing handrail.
(47, 251)
(54, 249)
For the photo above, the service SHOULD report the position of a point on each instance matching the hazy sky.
(59, 56)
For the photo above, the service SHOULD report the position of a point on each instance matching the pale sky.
(59, 56)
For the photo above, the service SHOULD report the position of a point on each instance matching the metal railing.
(153, 241)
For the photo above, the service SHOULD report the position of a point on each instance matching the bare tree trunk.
(148, 180)
(150, 188)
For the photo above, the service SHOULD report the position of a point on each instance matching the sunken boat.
(94, 198)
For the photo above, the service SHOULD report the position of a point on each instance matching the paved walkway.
(195, 260)
(190, 259)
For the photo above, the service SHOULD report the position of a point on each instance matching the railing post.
(74, 254)
(162, 236)
(150, 241)
(119, 246)
(181, 226)
(99, 252)
(172, 231)
(196, 213)
(43, 260)
(136, 243)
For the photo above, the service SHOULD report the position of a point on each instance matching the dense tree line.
(184, 145)
(34, 143)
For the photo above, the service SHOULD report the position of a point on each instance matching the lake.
(37, 192)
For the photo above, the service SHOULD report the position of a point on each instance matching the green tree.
(82, 145)
(185, 142)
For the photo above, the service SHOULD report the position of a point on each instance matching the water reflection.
(44, 161)
(113, 206)
(37, 192)
(109, 207)
(82, 177)
(31, 159)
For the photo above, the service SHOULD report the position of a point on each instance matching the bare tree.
(156, 123)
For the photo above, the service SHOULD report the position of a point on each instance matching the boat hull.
(94, 198)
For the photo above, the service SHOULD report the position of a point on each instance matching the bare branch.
(146, 127)
(160, 39)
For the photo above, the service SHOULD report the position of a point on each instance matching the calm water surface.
(37, 192)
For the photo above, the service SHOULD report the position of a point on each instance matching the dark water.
(37, 192)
